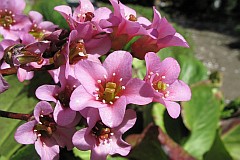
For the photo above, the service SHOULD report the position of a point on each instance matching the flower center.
(77, 52)
(102, 133)
(37, 32)
(46, 126)
(132, 18)
(85, 17)
(109, 91)
(64, 96)
(6, 18)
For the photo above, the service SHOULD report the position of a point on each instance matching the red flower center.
(6, 18)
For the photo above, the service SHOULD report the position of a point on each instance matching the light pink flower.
(39, 27)
(13, 22)
(109, 87)
(45, 133)
(63, 114)
(101, 139)
(161, 34)
(163, 77)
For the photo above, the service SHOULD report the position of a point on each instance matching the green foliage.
(26, 152)
(46, 7)
(16, 99)
(201, 116)
(232, 142)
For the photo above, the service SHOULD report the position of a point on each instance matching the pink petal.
(112, 115)
(83, 139)
(35, 16)
(179, 91)
(138, 92)
(22, 74)
(101, 13)
(47, 92)
(47, 149)
(64, 10)
(63, 116)
(63, 137)
(128, 121)
(24, 133)
(98, 46)
(120, 63)
(173, 108)
(152, 62)
(120, 147)
(42, 108)
(81, 99)
(88, 73)
(16, 6)
(169, 68)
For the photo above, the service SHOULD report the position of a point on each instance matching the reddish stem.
(20, 116)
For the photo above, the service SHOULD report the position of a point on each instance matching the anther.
(39, 135)
(120, 79)
(35, 130)
(116, 97)
(114, 74)
(149, 76)
(5, 10)
(157, 74)
(97, 89)
(103, 101)
(40, 122)
(163, 77)
(97, 98)
(10, 12)
(111, 102)
(123, 87)
(99, 81)
(151, 73)
(111, 133)
(41, 115)
(105, 76)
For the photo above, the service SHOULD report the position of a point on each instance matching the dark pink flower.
(161, 34)
(45, 133)
(13, 22)
(109, 87)
(125, 25)
(101, 139)
(163, 77)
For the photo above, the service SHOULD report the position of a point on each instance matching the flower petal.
(179, 91)
(128, 121)
(138, 92)
(112, 115)
(42, 108)
(88, 72)
(173, 108)
(83, 139)
(47, 92)
(119, 62)
(25, 134)
(63, 116)
(152, 62)
(47, 149)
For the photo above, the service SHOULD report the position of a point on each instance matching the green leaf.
(158, 115)
(201, 116)
(217, 151)
(139, 68)
(17, 99)
(84, 155)
(26, 152)
(46, 7)
(232, 142)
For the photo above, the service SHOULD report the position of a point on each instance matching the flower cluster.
(86, 86)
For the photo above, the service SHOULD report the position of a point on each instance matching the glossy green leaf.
(46, 7)
(26, 152)
(158, 115)
(201, 116)
(217, 151)
(139, 68)
(17, 99)
(231, 141)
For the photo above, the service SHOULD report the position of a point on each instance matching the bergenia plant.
(93, 88)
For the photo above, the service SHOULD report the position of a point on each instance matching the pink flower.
(163, 77)
(109, 87)
(84, 14)
(63, 114)
(101, 139)
(45, 133)
(125, 25)
(39, 27)
(12, 21)
(161, 34)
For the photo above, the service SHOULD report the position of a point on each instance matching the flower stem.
(20, 116)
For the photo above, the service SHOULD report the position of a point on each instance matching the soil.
(218, 47)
